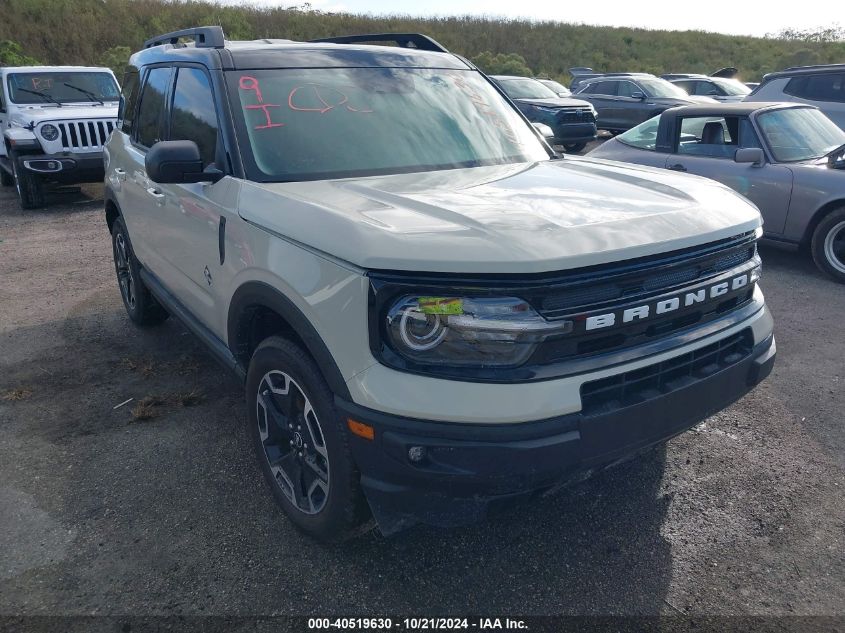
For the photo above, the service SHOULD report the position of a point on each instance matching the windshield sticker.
(42, 83)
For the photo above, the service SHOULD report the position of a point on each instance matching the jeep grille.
(85, 136)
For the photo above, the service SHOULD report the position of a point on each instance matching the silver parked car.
(722, 89)
(822, 86)
(788, 159)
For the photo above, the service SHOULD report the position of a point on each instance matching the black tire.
(573, 148)
(140, 304)
(6, 179)
(330, 515)
(828, 244)
(29, 186)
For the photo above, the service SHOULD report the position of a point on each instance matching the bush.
(11, 54)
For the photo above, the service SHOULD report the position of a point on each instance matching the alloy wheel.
(293, 442)
(834, 247)
(124, 270)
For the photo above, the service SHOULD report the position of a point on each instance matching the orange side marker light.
(361, 430)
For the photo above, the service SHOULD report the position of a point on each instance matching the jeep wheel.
(301, 444)
(30, 187)
(140, 305)
(573, 148)
(828, 245)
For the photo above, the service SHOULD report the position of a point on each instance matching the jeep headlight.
(49, 132)
(467, 331)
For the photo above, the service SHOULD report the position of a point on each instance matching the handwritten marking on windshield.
(251, 84)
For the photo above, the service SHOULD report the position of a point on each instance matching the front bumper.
(66, 167)
(466, 467)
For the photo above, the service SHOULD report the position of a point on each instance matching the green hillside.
(105, 31)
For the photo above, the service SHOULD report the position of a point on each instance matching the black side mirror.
(753, 155)
(175, 162)
(638, 95)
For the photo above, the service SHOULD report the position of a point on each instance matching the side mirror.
(638, 95)
(178, 162)
(752, 155)
(545, 130)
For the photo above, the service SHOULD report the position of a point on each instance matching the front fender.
(21, 140)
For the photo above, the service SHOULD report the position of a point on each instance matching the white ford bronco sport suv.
(429, 310)
(55, 121)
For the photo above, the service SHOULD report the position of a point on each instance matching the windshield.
(555, 87)
(661, 88)
(732, 87)
(526, 89)
(308, 124)
(797, 134)
(643, 136)
(62, 87)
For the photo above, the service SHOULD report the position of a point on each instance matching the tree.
(11, 54)
(115, 58)
(502, 64)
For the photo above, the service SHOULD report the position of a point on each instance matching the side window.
(605, 88)
(747, 135)
(151, 112)
(708, 136)
(707, 89)
(686, 86)
(824, 87)
(128, 100)
(643, 136)
(193, 116)
(626, 89)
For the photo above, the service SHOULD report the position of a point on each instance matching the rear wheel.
(300, 441)
(828, 244)
(572, 148)
(29, 186)
(140, 305)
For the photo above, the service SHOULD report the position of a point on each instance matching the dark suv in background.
(573, 121)
(624, 100)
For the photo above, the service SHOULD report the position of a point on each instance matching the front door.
(706, 147)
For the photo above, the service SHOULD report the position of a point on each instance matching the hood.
(559, 102)
(67, 112)
(523, 218)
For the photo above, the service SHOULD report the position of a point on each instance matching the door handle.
(677, 167)
(158, 195)
(120, 173)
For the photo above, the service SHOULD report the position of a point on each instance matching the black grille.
(579, 115)
(603, 396)
(660, 276)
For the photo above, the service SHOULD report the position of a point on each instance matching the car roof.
(54, 69)
(804, 70)
(508, 77)
(609, 76)
(212, 50)
(741, 108)
(682, 76)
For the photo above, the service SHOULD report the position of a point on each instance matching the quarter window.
(151, 112)
(604, 88)
(129, 100)
(193, 116)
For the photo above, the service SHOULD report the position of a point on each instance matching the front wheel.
(828, 245)
(29, 186)
(300, 441)
(573, 148)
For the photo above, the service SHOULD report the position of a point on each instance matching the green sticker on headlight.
(440, 305)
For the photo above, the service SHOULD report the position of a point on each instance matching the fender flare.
(257, 293)
(20, 138)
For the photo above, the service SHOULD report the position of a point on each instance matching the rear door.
(603, 97)
(769, 186)
(3, 115)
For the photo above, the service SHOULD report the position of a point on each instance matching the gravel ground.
(104, 513)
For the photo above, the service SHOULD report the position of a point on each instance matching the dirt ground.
(111, 508)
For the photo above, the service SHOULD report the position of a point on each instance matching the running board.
(218, 349)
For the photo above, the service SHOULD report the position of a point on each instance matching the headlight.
(468, 331)
(49, 132)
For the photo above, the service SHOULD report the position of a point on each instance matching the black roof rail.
(405, 40)
(203, 36)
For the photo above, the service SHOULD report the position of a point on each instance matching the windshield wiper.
(43, 95)
(88, 93)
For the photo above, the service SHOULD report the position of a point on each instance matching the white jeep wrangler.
(429, 309)
(55, 121)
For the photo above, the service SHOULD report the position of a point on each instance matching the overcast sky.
(743, 17)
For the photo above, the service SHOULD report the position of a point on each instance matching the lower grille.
(606, 395)
(580, 115)
(85, 136)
